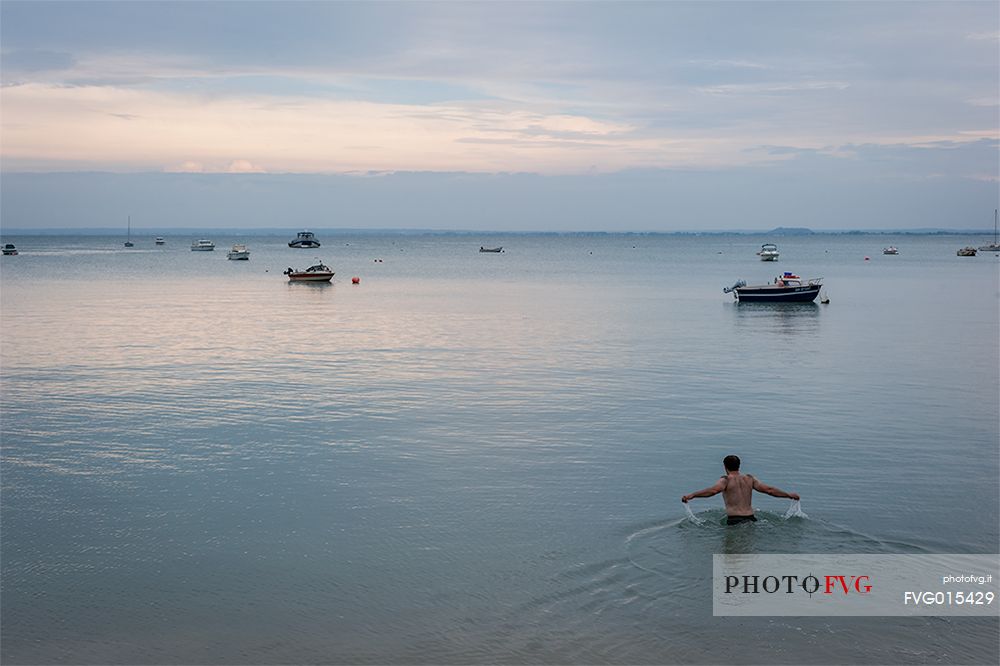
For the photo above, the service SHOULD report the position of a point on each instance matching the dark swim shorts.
(736, 520)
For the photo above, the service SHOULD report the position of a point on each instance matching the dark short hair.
(732, 463)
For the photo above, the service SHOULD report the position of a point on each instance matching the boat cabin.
(304, 239)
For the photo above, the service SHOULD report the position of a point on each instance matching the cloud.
(188, 166)
(244, 166)
(488, 87)
(134, 129)
(771, 88)
(728, 64)
(183, 132)
(990, 36)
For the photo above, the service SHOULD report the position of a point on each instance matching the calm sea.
(473, 458)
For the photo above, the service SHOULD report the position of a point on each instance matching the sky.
(625, 116)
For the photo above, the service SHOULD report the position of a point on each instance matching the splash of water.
(690, 514)
(795, 511)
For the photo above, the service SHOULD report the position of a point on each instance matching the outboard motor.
(739, 283)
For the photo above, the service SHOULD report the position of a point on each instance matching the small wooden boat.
(786, 288)
(316, 273)
(491, 249)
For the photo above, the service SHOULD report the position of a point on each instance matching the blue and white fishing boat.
(786, 288)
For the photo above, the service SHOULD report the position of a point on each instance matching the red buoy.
(355, 280)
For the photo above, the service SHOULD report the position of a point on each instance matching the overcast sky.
(549, 116)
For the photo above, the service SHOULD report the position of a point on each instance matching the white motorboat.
(890, 250)
(768, 252)
(202, 245)
(238, 252)
(9, 250)
(159, 240)
(967, 251)
(315, 273)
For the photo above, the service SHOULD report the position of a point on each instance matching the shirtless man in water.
(736, 490)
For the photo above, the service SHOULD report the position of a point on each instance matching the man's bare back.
(737, 494)
(737, 490)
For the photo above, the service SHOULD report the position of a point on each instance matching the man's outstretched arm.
(771, 490)
(719, 486)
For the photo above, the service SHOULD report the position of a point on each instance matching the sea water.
(479, 457)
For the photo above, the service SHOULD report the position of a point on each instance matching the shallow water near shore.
(476, 457)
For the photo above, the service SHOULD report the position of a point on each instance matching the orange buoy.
(355, 280)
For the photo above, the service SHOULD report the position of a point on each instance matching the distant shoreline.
(320, 231)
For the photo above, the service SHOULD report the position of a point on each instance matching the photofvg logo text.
(860, 584)
(810, 584)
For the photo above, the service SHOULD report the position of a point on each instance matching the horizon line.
(340, 231)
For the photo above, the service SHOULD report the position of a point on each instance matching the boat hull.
(303, 244)
(310, 277)
(775, 294)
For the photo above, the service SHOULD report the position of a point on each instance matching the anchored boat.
(304, 239)
(786, 288)
(239, 252)
(316, 273)
(995, 245)
(768, 252)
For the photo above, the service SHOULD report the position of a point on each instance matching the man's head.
(731, 463)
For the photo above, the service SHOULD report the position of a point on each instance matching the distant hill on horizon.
(791, 231)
